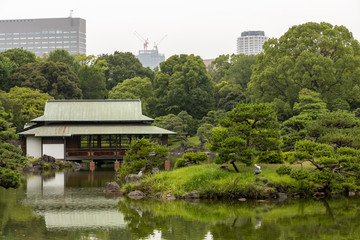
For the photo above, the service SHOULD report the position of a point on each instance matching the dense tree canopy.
(183, 84)
(134, 88)
(320, 57)
(6, 68)
(19, 56)
(53, 78)
(24, 104)
(123, 66)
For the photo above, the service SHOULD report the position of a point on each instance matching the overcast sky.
(207, 28)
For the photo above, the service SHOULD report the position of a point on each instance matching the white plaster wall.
(33, 146)
(54, 150)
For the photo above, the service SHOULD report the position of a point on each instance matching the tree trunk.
(236, 169)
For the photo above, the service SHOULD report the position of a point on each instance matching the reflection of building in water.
(72, 207)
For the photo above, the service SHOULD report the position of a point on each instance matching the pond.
(72, 205)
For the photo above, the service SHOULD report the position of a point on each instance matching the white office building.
(251, 42)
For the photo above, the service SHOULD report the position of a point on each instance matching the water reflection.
(72, 205)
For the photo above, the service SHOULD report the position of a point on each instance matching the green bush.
(283, 170)
(270, 157)
(289, 157)
(9, 178)
(299, 174)
(180, 163)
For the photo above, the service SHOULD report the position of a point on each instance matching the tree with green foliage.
(134, 88)
(10, 156)
(219, 67)
(334, 169)
(227, 95)
(245, 132)
(123, 66)
(6, 69)
(240, 71)
(317, 56)
(142, 154)
(24, 104)
(53, 78)
(183, 84)
(173, 123)
(204, 133)
(191, 158)
(19, 56)
(63, 56)
(92, 82)
(338, 128)
(309, 107)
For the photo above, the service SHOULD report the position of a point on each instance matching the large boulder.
(112, 187)
(131, 178)
(48, 159)
(137, 194)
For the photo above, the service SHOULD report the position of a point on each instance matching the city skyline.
(204, 28)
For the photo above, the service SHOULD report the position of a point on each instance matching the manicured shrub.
(299, 174)
(270, 157)
(180, 163)
(283, 170)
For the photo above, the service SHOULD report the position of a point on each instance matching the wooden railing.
(88, 152)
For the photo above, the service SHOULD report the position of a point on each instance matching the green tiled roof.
(92, 111)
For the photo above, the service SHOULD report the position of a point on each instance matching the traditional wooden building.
(88, 129)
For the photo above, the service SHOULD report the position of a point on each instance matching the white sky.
(207, 28)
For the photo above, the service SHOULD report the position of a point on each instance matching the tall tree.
(134, 88)
(240, 71)
(19, 56)
(6, 68)
(317, 56)
(62, 55)
(123, 66)
(183, 84)
(49, 77)
(245, 132)
(24, 104)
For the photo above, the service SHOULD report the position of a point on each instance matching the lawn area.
(213, 182)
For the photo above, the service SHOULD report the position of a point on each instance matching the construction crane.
(143, 40)
(156, 44)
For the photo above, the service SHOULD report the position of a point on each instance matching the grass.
(213, 182)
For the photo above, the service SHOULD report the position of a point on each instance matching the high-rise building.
(42, 36)
(251, 42)
(150, 58)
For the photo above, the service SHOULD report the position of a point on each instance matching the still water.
(72, 205)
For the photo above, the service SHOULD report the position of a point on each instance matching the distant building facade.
(41, 36)
(150, 58)
(251, 42)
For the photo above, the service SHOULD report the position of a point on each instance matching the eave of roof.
(67, 130)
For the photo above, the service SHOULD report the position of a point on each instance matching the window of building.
(73, 31)
(58, 31)
(30, 42)
(65, 36)
(45, 32)
(30, 38)
(37, 37)
(15, 33)
(16, 38)
(45, 38)
(52, 32)
(59, 37)
(45, 42)
(2, 38)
